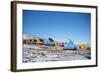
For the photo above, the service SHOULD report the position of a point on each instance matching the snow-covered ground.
(36, 53)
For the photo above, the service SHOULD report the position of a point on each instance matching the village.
(36, 49)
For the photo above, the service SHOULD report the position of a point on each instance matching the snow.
(32, 46)
(35, 53)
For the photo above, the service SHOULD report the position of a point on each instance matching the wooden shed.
(27, 41)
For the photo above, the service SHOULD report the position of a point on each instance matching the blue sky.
(58, 25)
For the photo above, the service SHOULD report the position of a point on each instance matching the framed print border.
(14, 35)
